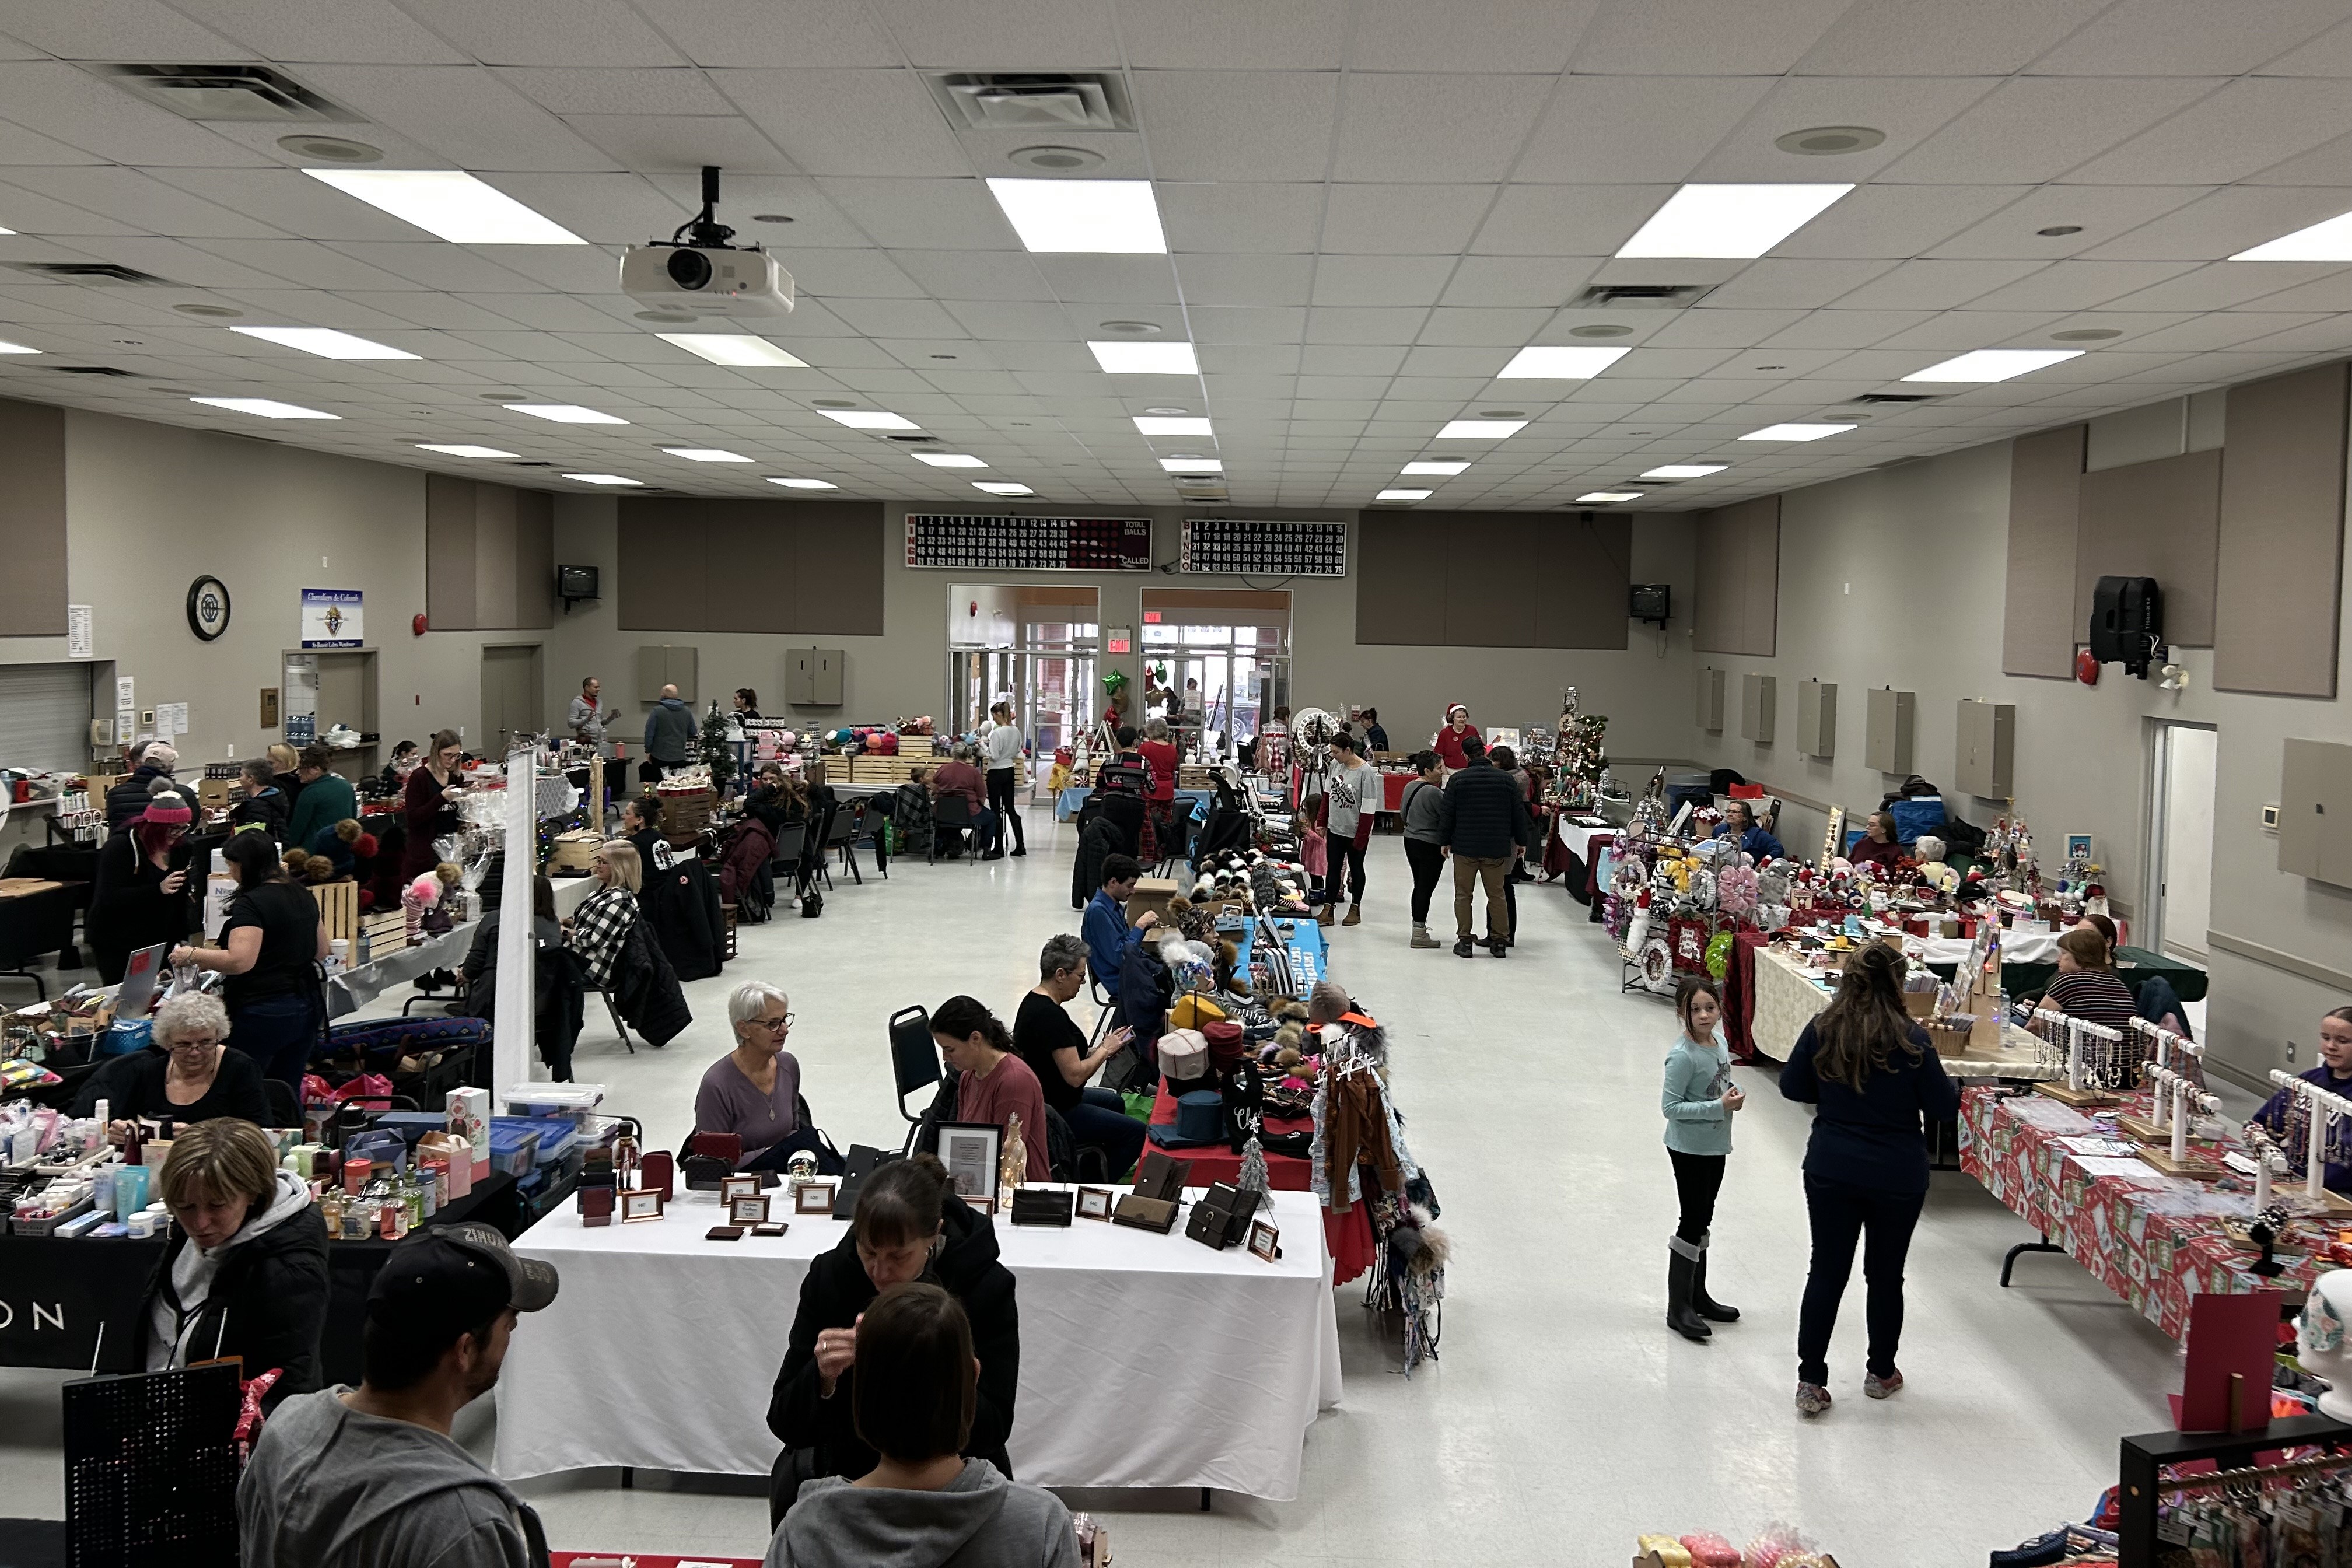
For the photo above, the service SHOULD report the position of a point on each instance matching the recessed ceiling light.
(1600, 329)
(950, 459)
(666, 317)
(1610, 496)
(1402, 495)
(706, 453)
(334, 149)
(1193, 465)
(2085, 334)
(460, 449)
(868, 419)
(1002, 487)
(1993, 364)
(734, 348)
(324, 342)
(2327, 241)
(2059, 230)
(804, 484)
(1171, 425)
(602, 480)
(1480, 429)
(1547, 364)
(831, 402)
(1146, 358)
(1795, 432)
(1098, 217)
(1729, 222)
(1683, 470)
(9, 348)
(1057, 160)
(565, 413)
(772, 217)
(267, 407)
(211, 313)
(1829, 141)
(1434, 466)
(1129, 329)
(450, 204)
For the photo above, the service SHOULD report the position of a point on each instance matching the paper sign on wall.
(331, 618)
(171, 719)
(80, 637)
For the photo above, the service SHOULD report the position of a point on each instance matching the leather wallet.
(655, 1171)
(1156, 1214)
(1222, 1218)
(596, 1205)
(1161, 1177)
(723, 1232)
(1037, 1205)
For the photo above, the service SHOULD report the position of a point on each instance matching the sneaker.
(1421, 938)
(1019, 850)
(1812, 1399)
(1355, 916)
(1499, 949)
(1465, 949)
(1878, 1387)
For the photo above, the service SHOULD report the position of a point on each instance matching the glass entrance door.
(1059, 702)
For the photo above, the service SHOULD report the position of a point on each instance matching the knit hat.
(168, 809)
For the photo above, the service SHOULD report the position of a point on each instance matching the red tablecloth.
(1393, 791)
(2149, 1244)
(1347, 1235)
(699, 1558)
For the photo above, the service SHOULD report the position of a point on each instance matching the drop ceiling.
(1371, 206)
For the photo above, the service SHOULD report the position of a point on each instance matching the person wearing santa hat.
(1448, 744)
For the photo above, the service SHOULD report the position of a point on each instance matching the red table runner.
(1347, 1235)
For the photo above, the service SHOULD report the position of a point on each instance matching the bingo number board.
(151, 1468)
(1239, 547)
(1030, 543)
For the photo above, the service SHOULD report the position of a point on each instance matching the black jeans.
(1001, 783)
(1698, 1178)
(1428, 862)
(1841, 1212)
(1343, 854)
(279, 1033)
(1099, 1121)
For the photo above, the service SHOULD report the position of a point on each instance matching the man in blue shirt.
(1105, 927)
(1740, 825)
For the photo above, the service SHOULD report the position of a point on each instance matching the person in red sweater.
(1878, 843)
(1159, 753)
(1448, 744)
(960, 776)
(994, 1082)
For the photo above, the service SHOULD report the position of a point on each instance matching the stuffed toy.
(1735, 891)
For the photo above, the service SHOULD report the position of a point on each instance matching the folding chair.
(952, 814)
(841, 833)
(613, 1009)
(1103, 1001)
(914, 1063)
(873, 822)
(820, 840)
(784, 860)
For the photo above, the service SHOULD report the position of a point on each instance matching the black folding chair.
(952, 814)
(784, 860)
(914, 1063)
(613, 1009)
(873, 822)
(1103, 1001)
(841, 833)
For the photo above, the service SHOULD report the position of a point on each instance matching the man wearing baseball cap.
(369, 1476)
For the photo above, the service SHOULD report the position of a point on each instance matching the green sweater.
(1692, 1098)
(324, 801)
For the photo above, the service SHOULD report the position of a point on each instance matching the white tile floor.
(1563, 1417)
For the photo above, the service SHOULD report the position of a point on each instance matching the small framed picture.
(813, 1198)
(969, 1150)
(640, 1204)
(734, 1187)
(1265, 1241)
(752, 1210)
(773, 1227)
(1094, 1202)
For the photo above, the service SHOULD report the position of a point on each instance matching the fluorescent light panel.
(804, 484)
(1732, 222)
(1100, 217)
(1794, 432)
(1683, 470)
(2327, 241)
(1993, 364)
(460, 449)
(1612, 495)
(1170, 425)
(1480, 429)
(1002, 487)
(706, 453)
(449, 204)
(7, 348)
(1146, 358)
(267, 407)
(740, 349)
(1193, 465)
(950, 459)
(602, 480)
(869, 419)
(1548, 363)
(1402, 495)
(1432, 466)
(564, 413)
(324, 342)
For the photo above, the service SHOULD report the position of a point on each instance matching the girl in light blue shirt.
(1697, 1099)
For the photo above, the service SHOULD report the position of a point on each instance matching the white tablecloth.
(1145, 1360)
(1579, 840)
(2016, 947)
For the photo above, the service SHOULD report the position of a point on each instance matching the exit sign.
(1118, 639)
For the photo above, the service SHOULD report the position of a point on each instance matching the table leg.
(1204, 1499)
(2010, 1262)
(629, 1473)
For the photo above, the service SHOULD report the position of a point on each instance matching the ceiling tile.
(1424, 126)
(673, 90)
(1702, 37)
(357, 32)
(1618, 129)
(1381, 279)
(922, 215)
(1485, 328)
(2073, 285)
(852, 274)
(2226, 222)
(463, 112)
(1036, 35)
(1349, 324)
(2033, 128)
(1351, 359)
(2222, 284)
(1907, 110)
(1776, 285)
(755, 33)
(1930, 38)
(1381, 220)
(1245, 279)
(147, 205)
(1894, 222)
(682, 143)
(2100, 212)
(1220, 362)
(1298, 34)
(116, 30)
(1468, 35)
(2330, 293)
(546, 32)
(1567, 220)
(1238, 125)
(1216, 324)
(1950, 332)
(1513, 280)
(2244, 128)
(426, 264)
(1236, 218)
(1144, 281)
(76, 108)
(2176, 38)
(975, 274)
(303, 261)
(853, 122)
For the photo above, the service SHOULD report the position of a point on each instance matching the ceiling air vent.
(1030, 102)
(915, 440)
(1898, 397)
(1641, 296)
(89, 370)
(98, 272)
(226, 92)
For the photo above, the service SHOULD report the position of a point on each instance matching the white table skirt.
(1579, 840)
(1145, 1360)
(2016, 947)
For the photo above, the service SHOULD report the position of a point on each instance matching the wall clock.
(208, 607)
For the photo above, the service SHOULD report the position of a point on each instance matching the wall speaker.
(2126, 623)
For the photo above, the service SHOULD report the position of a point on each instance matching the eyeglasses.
(776, 1026)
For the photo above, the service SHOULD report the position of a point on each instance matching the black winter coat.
(269, 812)
(645, 987)
(129, 797)
(274, 1291)
(1485, 813)
(836, 1290)
(682, 903)
(128, 907)
(1146, 989)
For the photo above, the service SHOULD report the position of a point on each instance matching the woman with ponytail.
(1874, 1076)
(995, 1081)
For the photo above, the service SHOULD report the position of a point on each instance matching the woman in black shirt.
(270, 952)
(1055, 1050)
(192, 1077)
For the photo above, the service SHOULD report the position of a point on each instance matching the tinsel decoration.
(1252, 1172)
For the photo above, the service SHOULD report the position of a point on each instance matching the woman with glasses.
(194, 1075)
(753, 1092)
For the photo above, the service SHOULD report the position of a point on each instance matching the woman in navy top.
(1874, 1076)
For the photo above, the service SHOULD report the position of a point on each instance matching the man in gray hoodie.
(369, 1476)
(670, 730)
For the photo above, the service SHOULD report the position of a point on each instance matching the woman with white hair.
(753, 1092)
(192, 1076)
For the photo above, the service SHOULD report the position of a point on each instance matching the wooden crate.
(338, 907)
(575, 850)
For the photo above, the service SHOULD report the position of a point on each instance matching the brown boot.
(1355, 915)
(1323, 915)
(1421, 938)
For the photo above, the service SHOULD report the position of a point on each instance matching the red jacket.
(963, 779)
(1449, 745)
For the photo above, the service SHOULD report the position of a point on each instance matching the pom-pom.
(295, 861)
(426, 889)
(365, 846)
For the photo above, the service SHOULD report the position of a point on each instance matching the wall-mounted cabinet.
(1889, 720)
(1760, 701)
(2315, 814)
(1710, 701)
(1816, 719)
(1985, 749)
(666, 663)
(812, 677)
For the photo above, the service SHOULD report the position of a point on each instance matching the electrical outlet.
(2290, 1050)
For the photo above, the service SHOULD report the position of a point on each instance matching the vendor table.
(1575, 855)
(355, 987)
(1348, 1237)
(661, 1351)
(1067, 804)
(2153, 1240)
(2022, 976)
(1788, 997)
(1303, 937)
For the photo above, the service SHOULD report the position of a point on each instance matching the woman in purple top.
(753, 1092)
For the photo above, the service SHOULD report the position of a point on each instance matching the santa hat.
(1454, 708)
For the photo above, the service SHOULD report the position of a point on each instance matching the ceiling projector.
(696, 268)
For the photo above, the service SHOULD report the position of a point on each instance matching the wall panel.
(2038, 626)
(1737, 607)
(32, 519)
(1493, 579)
(808, 568)
(2277, 586)
(2158, 520)
(1399, 575)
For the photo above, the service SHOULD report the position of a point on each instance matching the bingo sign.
(331, 618)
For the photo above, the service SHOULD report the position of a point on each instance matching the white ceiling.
(1371, 205)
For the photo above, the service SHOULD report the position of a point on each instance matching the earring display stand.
(2081, 1087)
(151, 1464)
(2144, 1457)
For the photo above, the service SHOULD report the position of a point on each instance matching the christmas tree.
(1579, 756)
(1252, 1172)
(715, 750)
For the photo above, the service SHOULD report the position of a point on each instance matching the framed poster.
(332, 617)
(968, 1150)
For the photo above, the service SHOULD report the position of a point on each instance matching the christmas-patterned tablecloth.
(1787, 999)
(2152, 1239)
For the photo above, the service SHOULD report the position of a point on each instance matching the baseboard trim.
(2273, 958)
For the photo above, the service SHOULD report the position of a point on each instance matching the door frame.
(537, 652)
(2148, 931)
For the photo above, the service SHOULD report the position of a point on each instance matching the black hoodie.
(837, 1290)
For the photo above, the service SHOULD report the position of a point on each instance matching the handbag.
(811, 904)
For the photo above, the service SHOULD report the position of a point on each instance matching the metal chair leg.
(614, 1009)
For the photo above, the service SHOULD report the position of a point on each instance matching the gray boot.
(1681, 1270)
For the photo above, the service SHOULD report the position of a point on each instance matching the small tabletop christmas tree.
(714, 747)
(1579, 756)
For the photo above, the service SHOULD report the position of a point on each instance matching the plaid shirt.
(599, 930)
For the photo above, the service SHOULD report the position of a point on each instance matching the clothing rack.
(2140, 1487)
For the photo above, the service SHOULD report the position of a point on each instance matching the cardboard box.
(1151, 893)
(470, 1118)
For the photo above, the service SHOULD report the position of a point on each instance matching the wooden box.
(338, 907)
(576, 850)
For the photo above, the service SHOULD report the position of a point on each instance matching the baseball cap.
(453, 1277)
